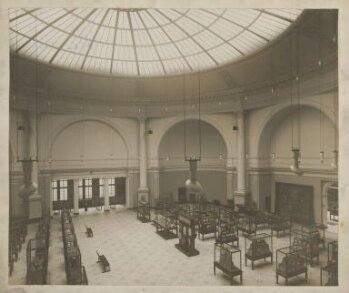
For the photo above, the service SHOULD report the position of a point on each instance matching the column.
(241, 194)
(76, 196)
(230, 185)
(143, 190)
(106, 194)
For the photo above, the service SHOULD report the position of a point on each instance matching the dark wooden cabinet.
(296, 201)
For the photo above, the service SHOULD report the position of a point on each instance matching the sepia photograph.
(173, 147)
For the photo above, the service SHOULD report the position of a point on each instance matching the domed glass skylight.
(143, 42)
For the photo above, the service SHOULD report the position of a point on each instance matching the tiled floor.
(139, 256)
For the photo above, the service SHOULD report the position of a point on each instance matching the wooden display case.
(309, 240)
(207, 225)
(37, 258)
(290, 262)
(166, 224)
(227, 258)
(186, 235)
(331, 268)
(75, 272)
(227, 233)
(258, 246)
(261, 219)
(279, 224)
(143, 212)
(247, 224)
(318, 232)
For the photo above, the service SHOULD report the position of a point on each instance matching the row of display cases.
(17, 235)
(75, 272)
(291, 261)
(37, 254)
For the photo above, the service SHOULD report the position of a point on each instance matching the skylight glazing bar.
(133, 41)
(94, 37)
(173, 42)
(243, 27)
(211, 31)
(23, 14)
(114, 41)
(275, 15)
(190, 37)
(151, 38)
(43, 29)
(71, 34)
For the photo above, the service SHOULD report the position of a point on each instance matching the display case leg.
(277, 278)
(286, 281)
(252, 265)
(241, 279)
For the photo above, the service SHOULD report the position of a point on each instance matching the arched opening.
(91, 146)
(211, 168)
(317, 135)
(85, 140)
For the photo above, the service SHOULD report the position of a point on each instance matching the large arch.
(166, 126)
(56, 133)
(278, 113)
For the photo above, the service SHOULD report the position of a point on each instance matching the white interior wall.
(64, 138)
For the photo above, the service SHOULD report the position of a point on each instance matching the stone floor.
(139, 256)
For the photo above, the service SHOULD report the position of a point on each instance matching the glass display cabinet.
(37, 258)
(258, 246)
(74, 271)
(318, 232)
(227, 233)
(261, 219)
(166, 225)
(308, 239)
(186, 234)
(290, 262)
(228, 215)
(279, 224)
(227, 258)
(143, 211)
(207, 225)
(330, 270)
(246, 224)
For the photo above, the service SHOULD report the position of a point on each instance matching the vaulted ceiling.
(144, 42)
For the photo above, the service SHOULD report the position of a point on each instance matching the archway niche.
(275, 150)
(211, 169)
(91, 142)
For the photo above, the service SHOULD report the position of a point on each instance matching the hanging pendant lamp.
(192, 184)
(296, 154)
